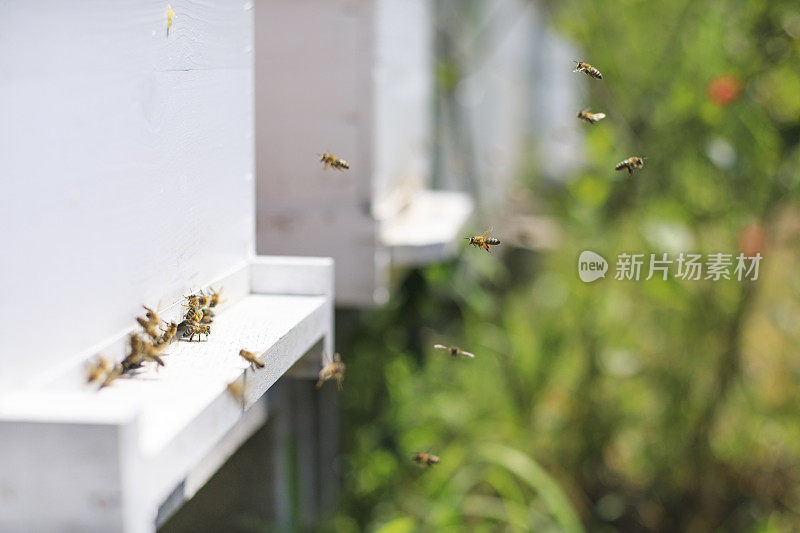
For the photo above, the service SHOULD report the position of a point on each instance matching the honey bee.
(149, 328)
(454, 351)
(425, 459)
(112, 375)
(196, 329)
(186, 324)
(152, 353)
(152, 316)
(591, 118)
(214, 300)
(207, 319)
(333, 369)
(237, 389)
(169, 333)
(196, 301)
(587, 69)
(134, 359)
(630, 164)
(170, 16)
(482, 241)
(331, 160)
(194, 314)
(252, 358)
(98, 370)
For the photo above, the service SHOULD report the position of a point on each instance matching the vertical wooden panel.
(314, 61)
(126, 160)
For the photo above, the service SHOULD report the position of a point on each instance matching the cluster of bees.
(592, 118)
(151, 343)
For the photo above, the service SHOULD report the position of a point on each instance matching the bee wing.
(337, 358)
(467, 354)
(600, 116)
(326, 359)
(440, 347)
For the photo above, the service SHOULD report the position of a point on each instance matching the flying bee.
(332, 161)
(591, 118)
(630, 164)
(214, 299)
(482, 241)
(587, 69)
(454, 351)
(98, 370)
(169, 333)
(252, 358)
(237, 390)
(425, 459)
(333, 369)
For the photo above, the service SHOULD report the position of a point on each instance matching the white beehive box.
(127, 164)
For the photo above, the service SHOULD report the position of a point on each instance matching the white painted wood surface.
(317, 98)
(126, 162)
(124, 450)
(403, 99)
(358, 83)
(429, 229)
(127, 167)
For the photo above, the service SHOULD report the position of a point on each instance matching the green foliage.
(658, 405)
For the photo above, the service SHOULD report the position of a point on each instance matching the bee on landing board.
(425, 459)
(149, 328)
(98, 370)
(113, 374)
(134, 359)
(630, 164)
(196, 301)
(591, 118)
(587, 69)
(152, 353)
(152, 316)
(169, 333)
(193, 315)
(454, 351)
(252, 358)
(333, 369)
(193, 328)
(332, 161)
(482, 241)
(214, 299)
